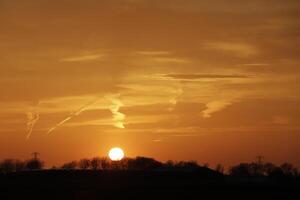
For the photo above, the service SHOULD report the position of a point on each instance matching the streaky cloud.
(82, 58)
(153, 53)
(204, 76)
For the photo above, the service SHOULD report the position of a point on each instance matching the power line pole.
(259, 159)
(35, 155)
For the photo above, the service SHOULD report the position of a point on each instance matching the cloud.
(82, 58)
(214, 106)
(177, 93)
(153, 53)
(118, 117)
(241, 49)
(171, 60)
(204, 76)
(256, 64)
(281, 120)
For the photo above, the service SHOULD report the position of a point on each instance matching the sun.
(116, 154)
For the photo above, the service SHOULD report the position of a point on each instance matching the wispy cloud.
(240, 49)
(281, 120)
(214, 106)
(153, 53)
(256, 64)
(177, 93)
(204, 76)
(171, 60)
(82, 58)
(118, 117)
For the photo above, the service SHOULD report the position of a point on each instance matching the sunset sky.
(215, 81)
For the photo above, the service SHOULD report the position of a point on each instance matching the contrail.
(32, 118)
(76, 113)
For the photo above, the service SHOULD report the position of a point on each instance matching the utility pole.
(259, 159)
(35, 155)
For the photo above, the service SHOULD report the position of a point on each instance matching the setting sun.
(116, 154)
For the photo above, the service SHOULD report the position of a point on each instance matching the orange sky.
(214, 81)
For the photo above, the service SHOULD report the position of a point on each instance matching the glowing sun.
(116, 154)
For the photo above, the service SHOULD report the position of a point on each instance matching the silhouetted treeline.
(138, 163)
(10, 165)
(263, 169)
(143, 163)
(253, 169)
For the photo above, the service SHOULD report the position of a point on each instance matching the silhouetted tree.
(220, 168)
(288, 169)
(268, 168)
(123, 164)
(20, 165)
(96, 163)
(7, 166)
(258, 168)
(34, 164)
(206, 165)
(143, 163)
(105, 163)
(169, 164)
(277, 173)
(84, 164)
(70, 165)
(240, 170)
(263, 169)
(187, 166)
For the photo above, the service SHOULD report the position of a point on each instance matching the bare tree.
(7, 166)
(70, 165)
(105, 163)
(288, 169)
(84, 164)
(268, 168)
(241, 170)
(96, 163)
(20, 165)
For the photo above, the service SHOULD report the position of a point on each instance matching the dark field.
(85, 185)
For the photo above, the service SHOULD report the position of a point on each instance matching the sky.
(213, 81)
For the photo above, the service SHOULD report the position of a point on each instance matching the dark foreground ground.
(90, 185)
